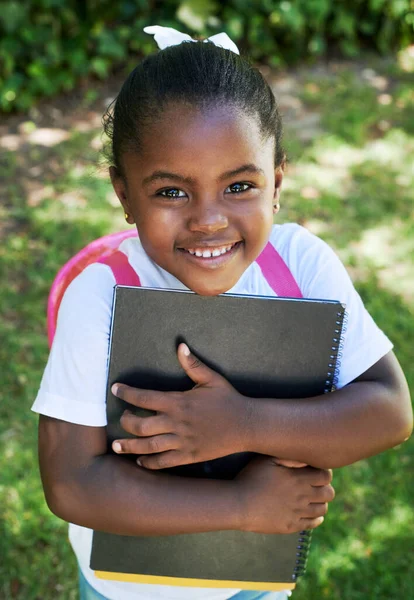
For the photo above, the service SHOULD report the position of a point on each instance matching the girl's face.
(202, 194)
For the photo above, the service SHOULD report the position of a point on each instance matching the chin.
(209, 292)
(212, 290)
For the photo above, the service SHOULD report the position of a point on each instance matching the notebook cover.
(266, 347)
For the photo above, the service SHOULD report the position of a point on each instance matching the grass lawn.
(350, 180)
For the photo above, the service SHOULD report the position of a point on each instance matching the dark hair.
(196, 73)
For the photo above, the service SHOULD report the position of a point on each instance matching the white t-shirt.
(73, 386)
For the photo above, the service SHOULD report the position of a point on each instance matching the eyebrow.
(157, 175)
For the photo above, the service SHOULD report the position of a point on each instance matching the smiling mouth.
(209, 252)
(213, 253)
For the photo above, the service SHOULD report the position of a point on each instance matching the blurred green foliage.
(48, 46)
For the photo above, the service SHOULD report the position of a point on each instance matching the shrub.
(47, 46)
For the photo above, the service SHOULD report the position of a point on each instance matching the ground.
(350, 142)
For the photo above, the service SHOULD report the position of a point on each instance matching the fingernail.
(186, 350)
(116, 447)
(114, 389)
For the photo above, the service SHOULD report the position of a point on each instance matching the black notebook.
(265, 347)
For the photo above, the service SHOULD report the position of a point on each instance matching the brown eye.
(238, 188)
(172, 193)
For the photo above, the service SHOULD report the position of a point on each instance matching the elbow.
(393, 421)
(55, 501)
(399, 417)
(393, 428)
(61, 501)
(405, 429)
(402, 419)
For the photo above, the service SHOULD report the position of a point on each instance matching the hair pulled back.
(200, 74)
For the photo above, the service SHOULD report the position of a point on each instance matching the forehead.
(208, 140)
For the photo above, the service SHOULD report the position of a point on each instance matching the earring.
(126, 215)
(276, 207)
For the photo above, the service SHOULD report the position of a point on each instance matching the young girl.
(198, 166)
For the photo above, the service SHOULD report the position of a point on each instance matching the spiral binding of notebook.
(336, 352)
(302, 548)
(331, 382)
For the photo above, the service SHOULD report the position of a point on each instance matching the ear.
(279, 173)
(119, 185)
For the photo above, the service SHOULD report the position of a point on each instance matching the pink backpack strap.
(123, 272)
(277, 273)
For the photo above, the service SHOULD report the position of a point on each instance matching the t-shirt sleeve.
(321, 275)
(73, 386)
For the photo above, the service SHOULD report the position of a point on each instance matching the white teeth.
(210, 253)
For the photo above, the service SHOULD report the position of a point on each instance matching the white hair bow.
(167, 36)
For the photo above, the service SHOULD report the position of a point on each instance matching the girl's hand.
(204, 423)
(276, 499)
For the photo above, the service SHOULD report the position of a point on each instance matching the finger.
(195, 369)
(148, 445)
(311, 523)
(314, 510)
(145, 426)
(163, 460)
(324, 477)
(148, 399)
(323, 493)
(318, 477)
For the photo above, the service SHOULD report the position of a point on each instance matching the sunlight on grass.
(350, 551)
(390, 250)
(395, 523)
(395, 148)
(327, 163)
(332, 151)
(48, 136)
(326, 180)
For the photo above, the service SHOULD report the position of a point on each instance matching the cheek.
(260, 218)
(257, 232)
(157, 231)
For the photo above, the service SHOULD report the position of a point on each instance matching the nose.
(208, 219)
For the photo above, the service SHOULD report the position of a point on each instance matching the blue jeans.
(87, 592)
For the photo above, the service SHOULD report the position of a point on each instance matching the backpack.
(105, 250)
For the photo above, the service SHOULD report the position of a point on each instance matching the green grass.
(353, 185)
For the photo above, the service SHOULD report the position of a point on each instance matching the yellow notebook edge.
(187, 582)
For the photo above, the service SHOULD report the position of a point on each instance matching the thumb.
(200, 373)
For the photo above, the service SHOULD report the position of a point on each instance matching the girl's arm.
(85, 485)
(364, 418)
(369, 415)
